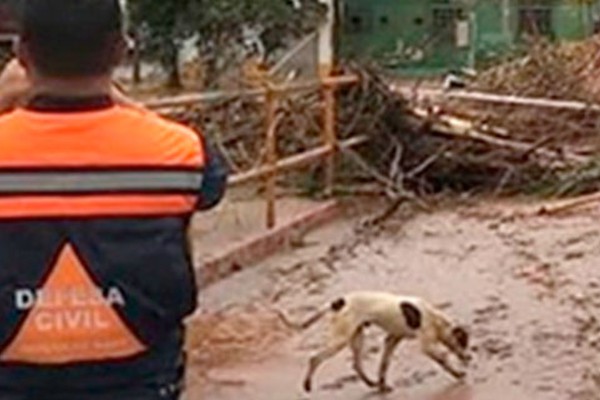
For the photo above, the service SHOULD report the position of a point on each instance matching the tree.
(159, 28)
(220, 27)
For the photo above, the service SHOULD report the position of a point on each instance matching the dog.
(401, 317)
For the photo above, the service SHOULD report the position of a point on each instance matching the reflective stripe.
(69, 182)
(95, 206)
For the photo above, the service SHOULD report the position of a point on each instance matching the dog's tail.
(304, 325)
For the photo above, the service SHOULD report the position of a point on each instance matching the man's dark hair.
(71, 38)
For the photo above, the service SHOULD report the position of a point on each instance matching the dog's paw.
(370, 383)
(460, 375)
(307, 386)
(384, 388)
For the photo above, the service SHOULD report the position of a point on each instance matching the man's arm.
(214, 182)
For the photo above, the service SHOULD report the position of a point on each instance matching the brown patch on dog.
(461, 336)
(412, 315)
(338, 305)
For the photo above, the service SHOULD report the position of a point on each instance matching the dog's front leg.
(441, 357)
(357, 353)
(391, 342)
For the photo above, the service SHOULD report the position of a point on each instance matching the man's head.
(70, 38)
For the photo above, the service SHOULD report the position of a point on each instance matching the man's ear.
(461, 336)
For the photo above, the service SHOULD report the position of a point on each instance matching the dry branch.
(569, 204)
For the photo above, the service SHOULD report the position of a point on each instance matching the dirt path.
(528, 288)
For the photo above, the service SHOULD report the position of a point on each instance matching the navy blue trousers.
(164, 392)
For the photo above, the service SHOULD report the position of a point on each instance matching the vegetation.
(219, 27)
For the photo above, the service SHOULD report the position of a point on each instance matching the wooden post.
(271, 157)
(326, 55)
(329, 136)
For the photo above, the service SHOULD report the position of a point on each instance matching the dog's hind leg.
(320, 358)
(391, 343)
(357, 352)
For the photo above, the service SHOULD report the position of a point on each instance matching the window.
(357, 20)
(535, 20)
(356, 23)
(444, 20)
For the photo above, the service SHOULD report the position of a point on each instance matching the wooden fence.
(274, 165)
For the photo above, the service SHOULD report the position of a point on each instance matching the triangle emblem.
(70, 319)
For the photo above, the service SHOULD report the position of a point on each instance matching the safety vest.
(94, 208)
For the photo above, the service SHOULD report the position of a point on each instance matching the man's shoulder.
(9, 119)
(162, 134)
(151, 119)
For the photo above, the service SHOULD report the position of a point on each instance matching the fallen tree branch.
(400, 194)
(389, 212)
(461, 128)
(566, 205)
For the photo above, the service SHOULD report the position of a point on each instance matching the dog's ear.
(461, 336)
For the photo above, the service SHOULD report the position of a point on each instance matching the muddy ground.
(527, 286)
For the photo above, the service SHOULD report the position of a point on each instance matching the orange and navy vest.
(95, 273)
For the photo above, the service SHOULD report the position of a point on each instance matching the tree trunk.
(137, 63)
(172, 64)
(210, 72)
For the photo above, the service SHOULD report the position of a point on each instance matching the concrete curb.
(260, 246)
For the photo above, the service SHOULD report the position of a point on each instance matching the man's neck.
(73, 87)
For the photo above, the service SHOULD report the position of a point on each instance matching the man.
(95, 200)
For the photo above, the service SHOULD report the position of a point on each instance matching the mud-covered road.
(528, 287)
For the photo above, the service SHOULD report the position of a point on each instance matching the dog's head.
(457, 340)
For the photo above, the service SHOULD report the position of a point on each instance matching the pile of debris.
(444, 144)
(565, 130)
(425, 148)
(237, 124)
(569, 71)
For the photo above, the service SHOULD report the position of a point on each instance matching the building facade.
(433, 36)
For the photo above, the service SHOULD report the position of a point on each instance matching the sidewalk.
(234, 236)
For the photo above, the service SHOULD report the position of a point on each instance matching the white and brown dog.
(401, 317)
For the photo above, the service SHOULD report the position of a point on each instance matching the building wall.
(494, 31)
(402, 34)
(398, 33)
(572, 22)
